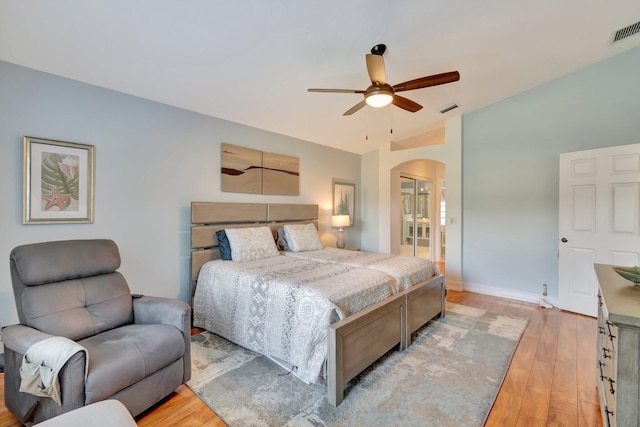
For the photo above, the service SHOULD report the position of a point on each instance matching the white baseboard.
(504, 293)
(454, 286)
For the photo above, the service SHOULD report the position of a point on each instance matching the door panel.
(624, 258)
(582, 279)
(417, 211)
(408, 231)
(584, 208)
(624, 206)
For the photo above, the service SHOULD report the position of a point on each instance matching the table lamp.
(340, 221)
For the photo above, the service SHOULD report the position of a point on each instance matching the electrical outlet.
(544, 289)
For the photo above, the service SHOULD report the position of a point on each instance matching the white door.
(599, 220)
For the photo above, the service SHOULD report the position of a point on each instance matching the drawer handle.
(609, 324)
(611, 336)
(611, 386)
(608, 412)
(600, 366)
(601, 330)
(605, 353)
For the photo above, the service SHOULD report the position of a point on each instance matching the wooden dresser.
(618, 349)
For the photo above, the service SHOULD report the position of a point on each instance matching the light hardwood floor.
(551, 380)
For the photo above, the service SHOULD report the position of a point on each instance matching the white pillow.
(302, 237)
(252, 243)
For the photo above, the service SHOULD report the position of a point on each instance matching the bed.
(283, 307)
(349, 331)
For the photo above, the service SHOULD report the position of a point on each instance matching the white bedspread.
(282, 306)
(406, 270)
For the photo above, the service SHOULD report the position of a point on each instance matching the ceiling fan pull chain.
(366, 138)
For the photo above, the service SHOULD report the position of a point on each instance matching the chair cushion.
(78, 308)
(123, 356)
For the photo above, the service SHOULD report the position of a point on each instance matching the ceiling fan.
(380, 93)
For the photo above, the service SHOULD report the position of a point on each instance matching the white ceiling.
(251, 61)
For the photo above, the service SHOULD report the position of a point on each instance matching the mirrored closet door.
(416, 206)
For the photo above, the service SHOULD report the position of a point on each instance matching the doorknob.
(564, 240)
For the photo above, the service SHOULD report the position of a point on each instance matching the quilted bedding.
(406, 270)
(282, 306)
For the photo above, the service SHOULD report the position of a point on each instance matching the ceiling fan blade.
(375, 68)
(405, 104)
(336, 90)
(435, 80)
(355, 108)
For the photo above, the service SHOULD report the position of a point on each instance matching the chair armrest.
(167, 311)
(19, 338)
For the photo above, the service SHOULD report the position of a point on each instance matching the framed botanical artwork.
(344, 200)
(57, 182)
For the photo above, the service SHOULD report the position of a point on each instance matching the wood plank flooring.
(552, 377)
(551, 380)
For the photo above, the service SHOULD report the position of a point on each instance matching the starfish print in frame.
(55, 198)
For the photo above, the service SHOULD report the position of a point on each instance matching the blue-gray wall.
(152, 160)
(510, 169)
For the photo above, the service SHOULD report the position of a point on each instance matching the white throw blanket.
(42, 363)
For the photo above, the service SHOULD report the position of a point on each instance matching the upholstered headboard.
(209, 217)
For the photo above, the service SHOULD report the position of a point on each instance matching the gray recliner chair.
(138, 348)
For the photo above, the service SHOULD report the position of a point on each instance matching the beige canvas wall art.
(245, 170)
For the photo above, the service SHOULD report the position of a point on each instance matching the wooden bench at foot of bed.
(357, 341)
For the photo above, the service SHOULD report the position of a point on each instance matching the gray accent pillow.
(281, 240)
(223, 245)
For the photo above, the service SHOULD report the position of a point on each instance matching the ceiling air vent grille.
(449, 108)
(623, 33)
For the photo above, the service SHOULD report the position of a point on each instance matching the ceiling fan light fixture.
(379, 98)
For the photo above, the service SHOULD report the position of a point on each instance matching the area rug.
(449, 376)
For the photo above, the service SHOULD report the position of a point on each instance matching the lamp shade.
(340, 221)
(378, 100)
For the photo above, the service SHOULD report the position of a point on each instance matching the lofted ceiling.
(251, 61)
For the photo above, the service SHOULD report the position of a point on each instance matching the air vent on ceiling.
(625, 32)
(449, 108)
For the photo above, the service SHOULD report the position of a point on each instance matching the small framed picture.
(57, 182)
(344, 200)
